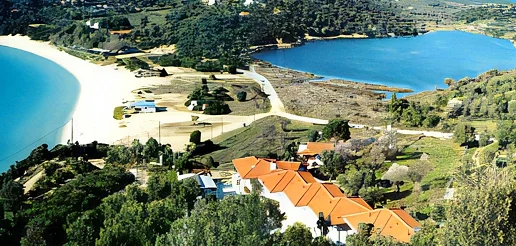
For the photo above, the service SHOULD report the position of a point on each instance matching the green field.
(444, 156)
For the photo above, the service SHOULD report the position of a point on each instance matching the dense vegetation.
(224, 31)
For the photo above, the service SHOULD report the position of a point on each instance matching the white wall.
(292, 213)
(239, 187)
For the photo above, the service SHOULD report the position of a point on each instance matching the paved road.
(277, 108)
(276, 104)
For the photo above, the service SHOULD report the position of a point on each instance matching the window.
(238, 182)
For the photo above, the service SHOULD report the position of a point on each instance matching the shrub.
(208, 66)
(338, 129)
(431, 121)
(169, 60)
(118, 113)
(195, 137)
(241, 96)
(217, 108)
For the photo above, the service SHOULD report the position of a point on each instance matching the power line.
(3, 159)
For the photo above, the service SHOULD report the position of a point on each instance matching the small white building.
(93, 26)
(147, 106)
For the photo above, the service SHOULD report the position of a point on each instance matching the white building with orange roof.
(312, 150)
(303, 199)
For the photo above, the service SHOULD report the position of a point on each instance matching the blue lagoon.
(37, 97)
(418, 63)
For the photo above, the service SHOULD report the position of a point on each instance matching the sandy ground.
(102, 89)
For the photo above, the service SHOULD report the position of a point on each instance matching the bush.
(338, 129)
(208, 66)
(313, 136)
(241, 96)
(169, 60)
(133, 63)
(217, 108)
(431, 121)
(118, 113)
(195, 137)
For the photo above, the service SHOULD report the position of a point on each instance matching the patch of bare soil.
(356, 102)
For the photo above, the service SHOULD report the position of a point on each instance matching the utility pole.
(223, 124)
(159, 132)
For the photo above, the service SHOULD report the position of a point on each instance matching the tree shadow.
(394, 196)
(411, 156)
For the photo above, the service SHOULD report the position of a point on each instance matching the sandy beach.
(102, 88)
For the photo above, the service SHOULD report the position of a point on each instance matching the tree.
(12, 197)
(483, 211)
(217, 108)
(195, 137)
(464, 134)
(449, 81)
(505, 132)
(241, 96)
(388, 144)
(417, 172)
(136, 150)
(151, 149)
(396, 174)
(352, 181)
(371, 195)
(338, 129)
(159, 185)
(322, 241)
(296, 234)
(483, 140)
(313, 136)
(334, 163)
(234, 220)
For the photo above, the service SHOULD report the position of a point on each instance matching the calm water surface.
(37, 96)
(419, 63)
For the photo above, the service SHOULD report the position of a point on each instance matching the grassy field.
(444, 156)
(265, 137)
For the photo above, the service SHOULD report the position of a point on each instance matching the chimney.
(273, 165)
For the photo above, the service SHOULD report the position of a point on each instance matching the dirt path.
(28, 185)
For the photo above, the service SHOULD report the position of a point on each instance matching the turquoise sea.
(419, 63)
(37, 97)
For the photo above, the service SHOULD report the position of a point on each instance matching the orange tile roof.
(309, 195)
(387, 222)
(307, 177)
(270, 181)
(260, 168)
(333, 190)
(284, 181)
(315, 148)
(296, 189)
(244, 165)
(346, 206)
(251, 167)
(288, 165)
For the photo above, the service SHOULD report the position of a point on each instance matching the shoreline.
(102, 88)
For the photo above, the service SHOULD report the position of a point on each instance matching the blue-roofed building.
(146, 106)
